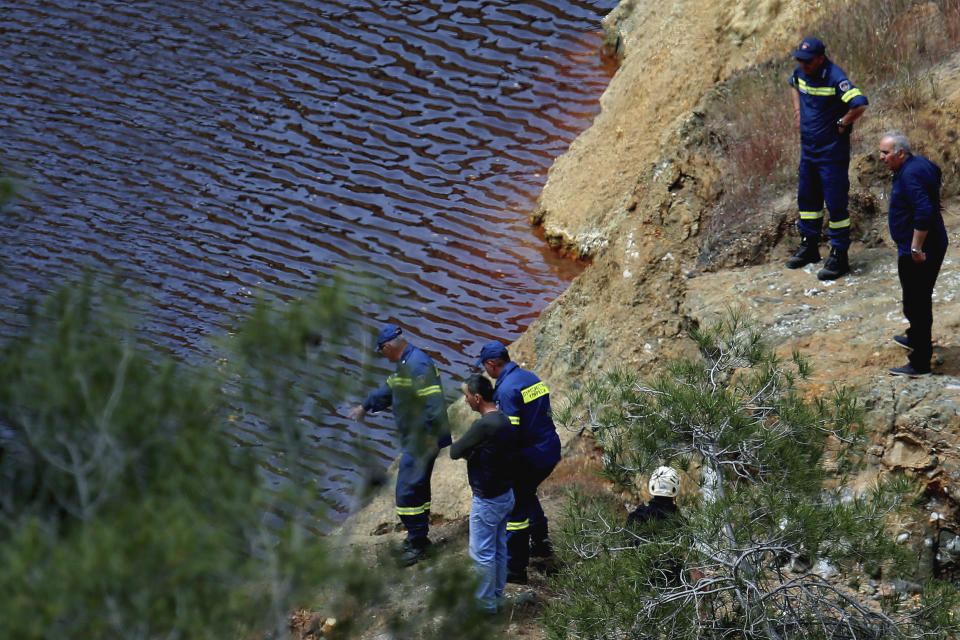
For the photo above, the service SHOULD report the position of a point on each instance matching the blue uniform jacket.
(825, 97)
(915, 204)
(526, 402)
(416, 395)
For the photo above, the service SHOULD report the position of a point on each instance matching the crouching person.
(488, 448)
(664, 485)
(660, 517)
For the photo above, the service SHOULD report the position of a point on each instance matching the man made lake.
(207, 150)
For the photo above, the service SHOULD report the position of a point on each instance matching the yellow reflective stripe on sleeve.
(850, 95)
(413, 511)
(393, 380)
(840, 224)
(811, 215)
(803, 87)
(533, 392)
(514, 420)
(427, 391)
(518, 526)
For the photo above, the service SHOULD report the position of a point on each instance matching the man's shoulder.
(521, 375)
(836, 75)
(494, 424)
(920, 167)
(416, 357)
(494, 418)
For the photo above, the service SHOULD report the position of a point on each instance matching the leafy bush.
(129, 509)
(126, 509)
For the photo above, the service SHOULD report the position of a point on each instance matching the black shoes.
(541, 549)
(909, 371)
(903, 341)
(836, 265)
(410, 552)
(807, 253)
(517, 577)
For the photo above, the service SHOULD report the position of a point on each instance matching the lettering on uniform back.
(533, 392)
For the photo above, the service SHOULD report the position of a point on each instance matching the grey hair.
(399, 341)
(899, 141)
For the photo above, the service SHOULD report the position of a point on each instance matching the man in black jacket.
(489, 447)
(662, 509)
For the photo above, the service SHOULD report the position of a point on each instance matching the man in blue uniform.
(416, 395)
(825, 105)
(916, 226)
(525, 400)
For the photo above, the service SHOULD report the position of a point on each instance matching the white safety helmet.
(665, 481)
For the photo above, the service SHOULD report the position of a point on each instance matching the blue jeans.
(488, 546)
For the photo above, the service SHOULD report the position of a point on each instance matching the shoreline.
(630, 196)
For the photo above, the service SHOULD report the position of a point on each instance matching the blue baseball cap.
(809, 49)
(387, 333)
(493, 349)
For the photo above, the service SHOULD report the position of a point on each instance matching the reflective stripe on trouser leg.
(834, 176)
(413, 493)
(526, 512)
(809, 199)
(518, 526)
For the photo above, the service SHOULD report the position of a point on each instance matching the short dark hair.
(480, 384)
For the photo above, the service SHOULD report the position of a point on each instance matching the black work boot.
(517, 576)
(836, 265)
(807, 253)
(541, 549)
(412, 551)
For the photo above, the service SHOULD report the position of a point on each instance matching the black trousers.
(916, 282)
(527, 516)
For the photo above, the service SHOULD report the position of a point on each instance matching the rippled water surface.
(205, 150)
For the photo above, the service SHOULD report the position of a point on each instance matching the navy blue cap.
(387, 333)
(809, 49)
(493, 349)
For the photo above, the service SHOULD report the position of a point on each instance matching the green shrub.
(126, 509)
(761, 528)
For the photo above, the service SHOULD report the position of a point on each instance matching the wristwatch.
(840, 124)
(915, 251)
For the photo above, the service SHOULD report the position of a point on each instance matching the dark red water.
(205, 150)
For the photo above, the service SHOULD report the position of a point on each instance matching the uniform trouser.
(917, 280)
(413, 493)
(527, 515)
(824, 181)
(488, 546)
